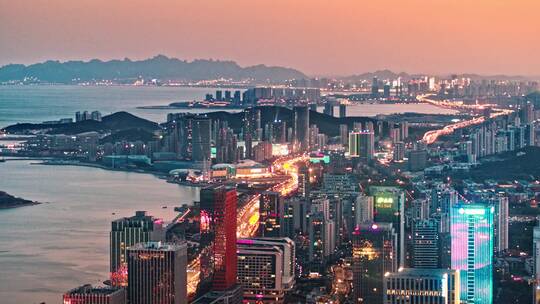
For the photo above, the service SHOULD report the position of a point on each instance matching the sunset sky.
(318, 37)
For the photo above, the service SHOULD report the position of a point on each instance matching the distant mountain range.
(159, 67)
(387, 74)
(165, 68)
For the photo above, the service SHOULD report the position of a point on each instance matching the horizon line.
(314, 75)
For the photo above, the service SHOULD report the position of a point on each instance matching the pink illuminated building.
(472, 251)
(218, 236)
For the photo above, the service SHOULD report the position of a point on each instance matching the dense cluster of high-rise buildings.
(403, 87)
(281, 94)
(500, 136)
(292, 204)
(85, 115)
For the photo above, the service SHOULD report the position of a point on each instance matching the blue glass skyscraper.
(472, 251)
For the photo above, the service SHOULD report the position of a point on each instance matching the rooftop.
(161, 246)
(139, 215)
(89, 289)
(420, 273)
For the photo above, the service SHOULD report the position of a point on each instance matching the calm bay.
(50, 248)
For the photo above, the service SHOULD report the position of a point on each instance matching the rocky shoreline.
(9, 201)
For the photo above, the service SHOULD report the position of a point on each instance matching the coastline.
(169, 107)
(82, 84)
(60, 162)
(159, 175)
(47, 161)
(75, 215)
(8, 201)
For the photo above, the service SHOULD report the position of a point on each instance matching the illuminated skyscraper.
(536, 259)
(322, 240)
(374, 254)
(265, 268)
(389, 207)
(279, 131)
(362, 144)
(301, 127)
(249, 146)
(252, 122)
(526, 113)
(201, 139)
(500, 224)
(126, 232)
(394, 134)
(472, 251)
(422, 286)
(399, 151)
(270, 214)
(157, 273)
(322, 233)
(304, 185)
(363, 209)
(226, 146)
(425, 244)
(218, 236)
(404, 130)
(442, 200)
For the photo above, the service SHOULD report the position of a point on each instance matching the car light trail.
(248, 215)
(432, 136)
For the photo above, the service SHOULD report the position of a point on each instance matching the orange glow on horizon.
(315, 36)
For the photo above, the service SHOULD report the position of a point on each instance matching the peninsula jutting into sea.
(8, 201)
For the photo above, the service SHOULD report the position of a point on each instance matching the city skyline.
(442, 37)
(348, 200)
(270, 152)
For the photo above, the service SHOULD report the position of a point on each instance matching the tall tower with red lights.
(218, 236)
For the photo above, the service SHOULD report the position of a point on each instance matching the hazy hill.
(125, 126)
(115, 122)
(159, 67)
(516, 165)
(534, 97)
